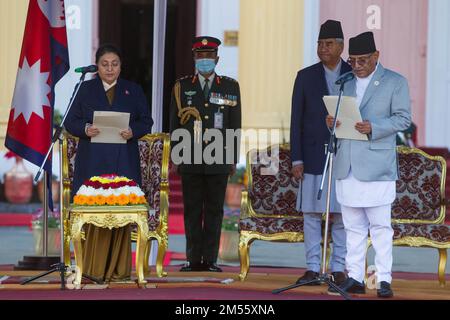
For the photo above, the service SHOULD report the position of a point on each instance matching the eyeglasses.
(362, 61)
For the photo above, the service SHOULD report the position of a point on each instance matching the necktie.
(206, 89)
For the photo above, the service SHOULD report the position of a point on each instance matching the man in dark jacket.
(309, 134)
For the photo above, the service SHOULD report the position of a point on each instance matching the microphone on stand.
(345, 77)
(87, 69)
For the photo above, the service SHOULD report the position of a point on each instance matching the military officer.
(202, 104)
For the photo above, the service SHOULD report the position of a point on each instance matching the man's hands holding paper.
(363, 127)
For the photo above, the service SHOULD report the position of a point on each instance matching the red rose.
(132, 183)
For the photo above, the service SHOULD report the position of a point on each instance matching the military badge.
(190, 93)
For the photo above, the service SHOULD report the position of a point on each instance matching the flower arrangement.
(111, 190)
(230, 220)
(53, 219)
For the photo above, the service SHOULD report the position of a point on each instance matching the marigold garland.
(109, 190)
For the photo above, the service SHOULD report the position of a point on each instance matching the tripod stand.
(323, 276)
(58, 267)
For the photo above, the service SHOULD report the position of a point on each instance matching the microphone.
(88, 69)
(345, 77)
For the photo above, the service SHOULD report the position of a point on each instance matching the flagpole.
(45, 217)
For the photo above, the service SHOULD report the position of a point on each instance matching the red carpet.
(264, 280)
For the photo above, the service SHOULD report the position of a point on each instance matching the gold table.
(109, 217)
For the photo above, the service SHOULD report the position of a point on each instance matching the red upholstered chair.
(268, 205)
(154, 152)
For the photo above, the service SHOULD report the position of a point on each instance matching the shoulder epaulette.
(228, 78)
(185, 77)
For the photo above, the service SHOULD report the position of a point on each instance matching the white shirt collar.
(202, 79)
(108, 86)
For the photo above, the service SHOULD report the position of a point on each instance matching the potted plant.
(236, 183)
(54, 235)
(229, 238)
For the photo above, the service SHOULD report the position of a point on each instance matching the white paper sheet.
(110, 124)
(348, 115)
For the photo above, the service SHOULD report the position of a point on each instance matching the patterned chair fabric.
(271, 225)
(439, 233)
(268, 206)
(273, 194)
(419, 195)
(151, 158)
(418, 212)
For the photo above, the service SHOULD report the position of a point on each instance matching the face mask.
(205, 66)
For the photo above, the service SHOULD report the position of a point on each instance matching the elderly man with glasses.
(366, 171)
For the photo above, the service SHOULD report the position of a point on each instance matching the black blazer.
(309, 132)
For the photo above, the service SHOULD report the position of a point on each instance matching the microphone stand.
(57, 136)
(323, 276)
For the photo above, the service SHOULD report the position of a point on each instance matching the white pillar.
(311, 32)
(159, 40)
(437, 132)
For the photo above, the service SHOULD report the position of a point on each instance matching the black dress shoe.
(349, 286)
(211, 267)
(307, 277)
(191, 267)
(338, 278)
(385, 290)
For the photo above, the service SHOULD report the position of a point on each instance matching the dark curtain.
(129, 25)
(181, 29)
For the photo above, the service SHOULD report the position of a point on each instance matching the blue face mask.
(205, 66)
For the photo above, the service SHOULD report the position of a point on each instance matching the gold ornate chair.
(154, 152)
(268, 205)
(418, 212)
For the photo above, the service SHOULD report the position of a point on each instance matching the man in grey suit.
(366, 171)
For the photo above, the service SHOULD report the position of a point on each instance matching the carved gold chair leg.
(442, 263)
(67, 258)
(162, 247)
(148, 247)
(244, 255)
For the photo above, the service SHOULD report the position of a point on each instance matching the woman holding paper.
(107, 253)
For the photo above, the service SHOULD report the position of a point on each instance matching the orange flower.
(123, 200)
(111, 200)
(134, 199)
(142, 200)
(100, 200)
(90, 200)
(80, 200)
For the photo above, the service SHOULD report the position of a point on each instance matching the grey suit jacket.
(386, 104)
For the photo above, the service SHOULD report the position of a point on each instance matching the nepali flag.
(44, 60)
